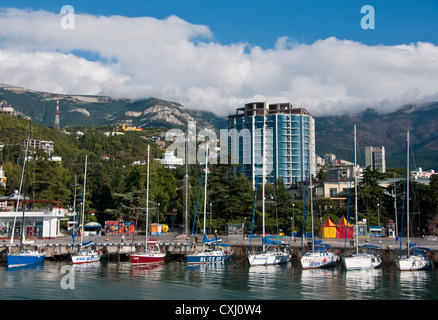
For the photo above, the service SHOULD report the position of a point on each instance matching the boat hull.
(266, 259)
(146, 258)
(85, 257)
(413, 263)
(318, 260)
(25, 258)
(208, 257)
(361, 262)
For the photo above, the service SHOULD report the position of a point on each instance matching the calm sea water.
(175, 280)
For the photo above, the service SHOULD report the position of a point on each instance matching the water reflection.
(413, 284)
(208, 266)
(149, 271)
(321, 284)
(362, 280)
(86, 266)
(177, 280)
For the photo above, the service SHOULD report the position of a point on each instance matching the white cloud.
(176, 60)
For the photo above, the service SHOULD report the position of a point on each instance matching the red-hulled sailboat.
(151, 252)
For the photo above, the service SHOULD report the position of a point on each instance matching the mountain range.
(334, 133)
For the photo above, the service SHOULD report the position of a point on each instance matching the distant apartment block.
(287, 146)
(5, 108)
(328, 158)
(375, 158)
(47, 146)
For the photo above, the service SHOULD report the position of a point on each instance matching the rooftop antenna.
(57, 115)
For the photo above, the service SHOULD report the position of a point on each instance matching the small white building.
(41, 223)
(168, 160)
(420, 174)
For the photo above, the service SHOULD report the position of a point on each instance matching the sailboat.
(24, 256)
(318, 257)
(217, 252)
(415, 258)
(266, 257)
(150, 254)
(366, 258)
(85, 254)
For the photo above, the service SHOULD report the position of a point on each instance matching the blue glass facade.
(289, 141)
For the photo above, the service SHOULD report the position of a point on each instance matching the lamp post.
(293, 218)
(378, 214)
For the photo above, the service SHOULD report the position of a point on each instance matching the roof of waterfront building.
(273, 108)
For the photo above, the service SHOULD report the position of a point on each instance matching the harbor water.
(175, 280)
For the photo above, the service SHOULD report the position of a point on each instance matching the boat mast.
(186, 225)
(19, 190)
(147, 202)
(24, 193)
(311, 199)
(395, 209)
(205, 190)
(139, 201)
(74, 210)
(83, 202)
(407, 194)
(355, 192)
(263, 177)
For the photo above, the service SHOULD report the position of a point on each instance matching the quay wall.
(61, 250)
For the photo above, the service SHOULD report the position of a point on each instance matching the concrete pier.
(177, 247)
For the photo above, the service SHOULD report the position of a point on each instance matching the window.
(333, 192)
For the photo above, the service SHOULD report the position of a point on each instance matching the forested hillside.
(114, 184)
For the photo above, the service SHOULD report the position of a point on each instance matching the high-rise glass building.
(288, 147)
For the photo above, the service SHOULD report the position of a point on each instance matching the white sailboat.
(151, 254)
(318, 257)
(24, 256)
(366, 258)
(85, 255)
(415, 258)
(266, 257)
(216, 253)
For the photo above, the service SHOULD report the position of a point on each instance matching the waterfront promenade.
(174, 237)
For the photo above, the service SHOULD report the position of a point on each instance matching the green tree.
(49, 181)
(432, 199)
(371, 197)
(162, 191)
(231, 196)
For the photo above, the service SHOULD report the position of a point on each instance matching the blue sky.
(218, 54)
(262, 22)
